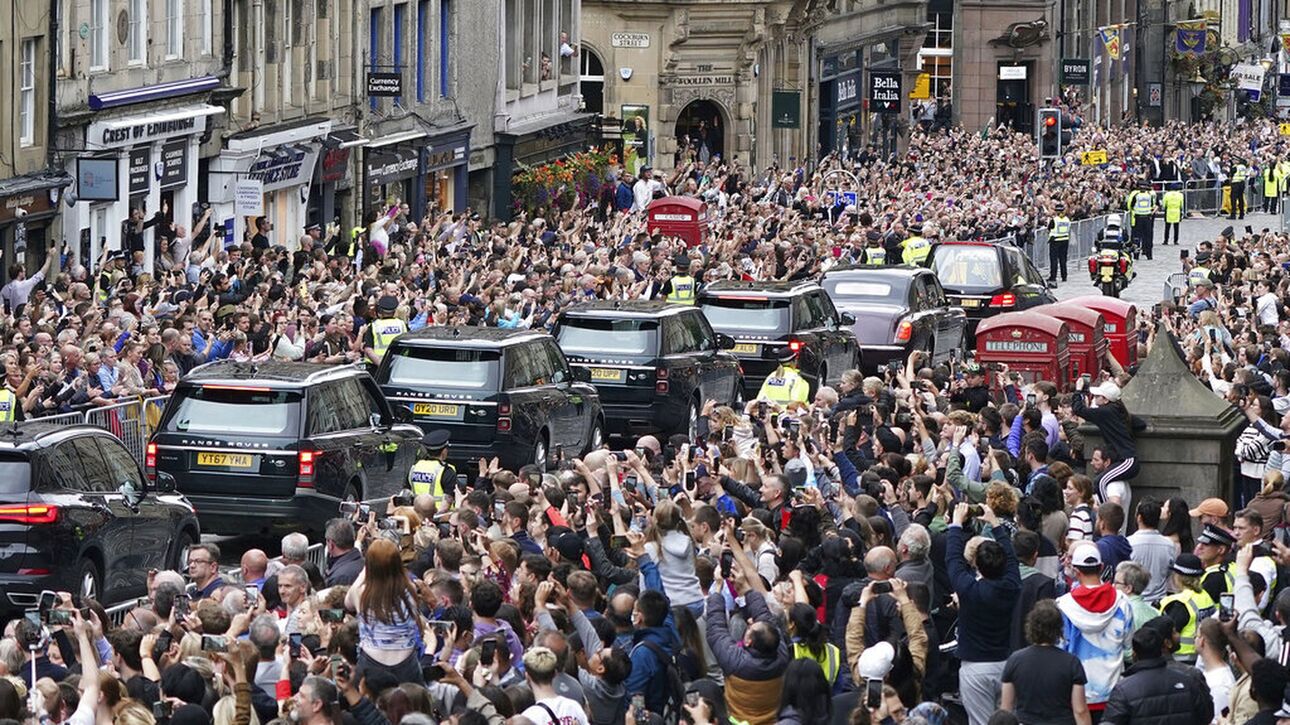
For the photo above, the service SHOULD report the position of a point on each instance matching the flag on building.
(1190, 38)
(1111, 41)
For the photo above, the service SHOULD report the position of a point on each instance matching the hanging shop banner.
(786, 109)
(846, 90)
(384, 85)
(635, 137)
(285, 166)
(174, 164)
(1249, 78)
(1075, 71)
(96, 179)
(386, 166)
(248, 197)
(139, 170)
(884, 91)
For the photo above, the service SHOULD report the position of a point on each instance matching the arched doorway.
(592, 77)
(700, 131)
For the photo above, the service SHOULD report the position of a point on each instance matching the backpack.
(673, 685)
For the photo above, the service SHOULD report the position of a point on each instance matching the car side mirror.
(133, 493)
(582, 375)
(1050, 284)
(165, 482)
(724, 341)
(847, 319)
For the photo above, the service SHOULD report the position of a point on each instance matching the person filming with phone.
(1117, 426)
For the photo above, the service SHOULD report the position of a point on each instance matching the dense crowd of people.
(932, 544)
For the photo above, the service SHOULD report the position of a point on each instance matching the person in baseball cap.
(1190, 605)
(1211, 511)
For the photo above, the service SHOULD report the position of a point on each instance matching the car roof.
(869, 271)
(273, 373)
(760, 289)
(38, 434)
(612, 309)
(471, 337)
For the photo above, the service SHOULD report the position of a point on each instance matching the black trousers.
(1057, 253)
(1144, 230)
(1168, 226)
(1270, 204)
(1237, 200)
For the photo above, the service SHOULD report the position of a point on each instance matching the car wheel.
(180, 560)
(597, 437)
(89, 582)
(541, 450)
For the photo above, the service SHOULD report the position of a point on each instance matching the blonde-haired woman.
(669, 544)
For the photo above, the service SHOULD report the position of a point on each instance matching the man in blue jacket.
(985, 609)
(655, 640)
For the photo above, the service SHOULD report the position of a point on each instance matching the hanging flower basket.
(571, 182)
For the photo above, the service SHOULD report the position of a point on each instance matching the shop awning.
(345, 138)
(180, 114)
(155, 92)
(396, 138)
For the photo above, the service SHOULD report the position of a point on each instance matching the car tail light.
(661, 385)
(306, 475)
(904, 331)
(29, 514)
(150, 462)
(1003, 299)
(503, 417)
(34, 572)
(795, 345)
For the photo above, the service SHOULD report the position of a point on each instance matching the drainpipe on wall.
(51, 120)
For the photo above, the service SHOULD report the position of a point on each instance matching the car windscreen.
(443, 367)
(746, 313)
(234, 410)
(588, 336)
(843, 290)
(15, 475)
(968, 268)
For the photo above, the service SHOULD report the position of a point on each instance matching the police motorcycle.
(1111, 265)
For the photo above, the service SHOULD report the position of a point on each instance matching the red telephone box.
(1087, 340)
(1031, 343)
(679, 216)
(1121, 325)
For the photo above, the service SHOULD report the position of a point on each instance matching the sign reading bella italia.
(884, 91)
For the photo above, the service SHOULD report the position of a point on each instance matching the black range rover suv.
(504, 393)
(764, 316)
(77, 515)
(260, 445)
(654, 363)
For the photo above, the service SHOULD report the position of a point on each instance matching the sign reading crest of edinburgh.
(884, 91)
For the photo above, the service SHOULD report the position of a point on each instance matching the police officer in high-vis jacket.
(1191, 605)
(1059, 242)
(786, 384)
(382, 331)
(432, 474)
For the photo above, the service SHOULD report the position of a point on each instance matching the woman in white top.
(669, 544)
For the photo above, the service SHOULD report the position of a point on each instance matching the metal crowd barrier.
(1083, 237)
(132, 421)
(316, 555)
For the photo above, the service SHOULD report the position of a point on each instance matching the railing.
(1083, 238)
(132, 421)
(316, 555)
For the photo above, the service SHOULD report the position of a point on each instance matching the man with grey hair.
(265, 636)
(344, 561)
(293, 587)
(1132, 579)
(295, 550)
(912, 549)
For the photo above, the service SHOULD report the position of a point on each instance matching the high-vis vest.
(916, 250)
(1172, 201)
(875, 255)
(1199, 606)
(1229, 581)
(784, 386)
(426, 476)
(830, 661)
(1061, 229)
(1196, 274)
(682, 290)
(8, 406)
(1271, 181)
(1239, 173)
(1141, 204)
(384, 331)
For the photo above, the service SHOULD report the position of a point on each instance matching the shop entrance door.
(699, 128)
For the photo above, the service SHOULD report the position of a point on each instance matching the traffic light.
(1050, 133)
